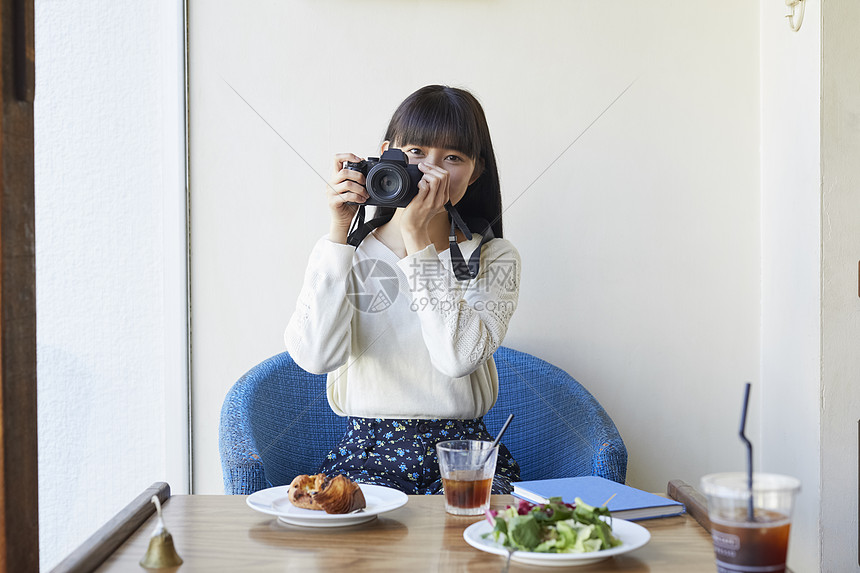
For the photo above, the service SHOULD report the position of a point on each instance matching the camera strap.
(466, 270)
(359, 230)
(463, 270)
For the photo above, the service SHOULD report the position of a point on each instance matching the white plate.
(632, 537)
(274, 501)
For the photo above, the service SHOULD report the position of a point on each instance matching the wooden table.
(221, 533)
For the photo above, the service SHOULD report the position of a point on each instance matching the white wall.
(811, 309)
(110, 261)
(791, 263)
(840, 353)
(641, 245)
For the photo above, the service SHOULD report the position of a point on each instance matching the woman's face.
(462, 169)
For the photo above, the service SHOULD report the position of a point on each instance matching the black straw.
(750, 516)
(498, 438)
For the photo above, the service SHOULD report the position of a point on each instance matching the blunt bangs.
(437, 116)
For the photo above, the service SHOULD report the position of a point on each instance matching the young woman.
(408, 346)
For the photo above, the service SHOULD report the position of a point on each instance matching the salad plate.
(632, 537)
(275, 501)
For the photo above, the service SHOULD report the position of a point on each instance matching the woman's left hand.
(430, 201)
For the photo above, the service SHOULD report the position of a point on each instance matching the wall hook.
(795, 19)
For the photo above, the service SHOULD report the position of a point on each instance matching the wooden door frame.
(19, 490)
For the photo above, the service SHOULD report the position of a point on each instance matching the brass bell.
(161, 552)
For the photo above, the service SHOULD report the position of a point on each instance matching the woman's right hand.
(344, 190)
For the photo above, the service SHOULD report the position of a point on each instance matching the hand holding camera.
(344, 191)
(433, 194)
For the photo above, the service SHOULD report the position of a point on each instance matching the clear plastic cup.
(467, 468)
(742, 544)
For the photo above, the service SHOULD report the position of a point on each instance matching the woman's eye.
(415, 151)
(454, 158)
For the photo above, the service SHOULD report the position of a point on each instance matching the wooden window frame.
(19, 490)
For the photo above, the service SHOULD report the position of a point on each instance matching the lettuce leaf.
(553, 528)
(524, 532)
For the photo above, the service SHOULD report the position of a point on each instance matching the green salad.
(556, 527)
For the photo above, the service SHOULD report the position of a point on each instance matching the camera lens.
(387, 183)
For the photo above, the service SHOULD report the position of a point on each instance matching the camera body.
(391, 181)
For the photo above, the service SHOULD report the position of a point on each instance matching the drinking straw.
(498, 438)
(749, 452)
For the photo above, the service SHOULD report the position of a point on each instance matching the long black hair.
(451, 118)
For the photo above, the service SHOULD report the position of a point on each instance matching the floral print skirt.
(401, 453)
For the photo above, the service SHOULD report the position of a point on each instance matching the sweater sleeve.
(318, 334)
(463, 324)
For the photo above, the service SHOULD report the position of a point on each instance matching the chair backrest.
(559, 428)
(276, 423)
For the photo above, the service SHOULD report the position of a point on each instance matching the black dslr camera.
(391, 181)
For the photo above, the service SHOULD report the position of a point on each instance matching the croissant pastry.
(303, 489)
(332, 495)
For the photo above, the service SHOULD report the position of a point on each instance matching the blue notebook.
(628, 503)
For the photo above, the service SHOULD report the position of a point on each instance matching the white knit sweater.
(403, 338)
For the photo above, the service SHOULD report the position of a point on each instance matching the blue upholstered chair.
(276, 424)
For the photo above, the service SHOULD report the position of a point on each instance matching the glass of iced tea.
(467, 468)
(750, 528)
